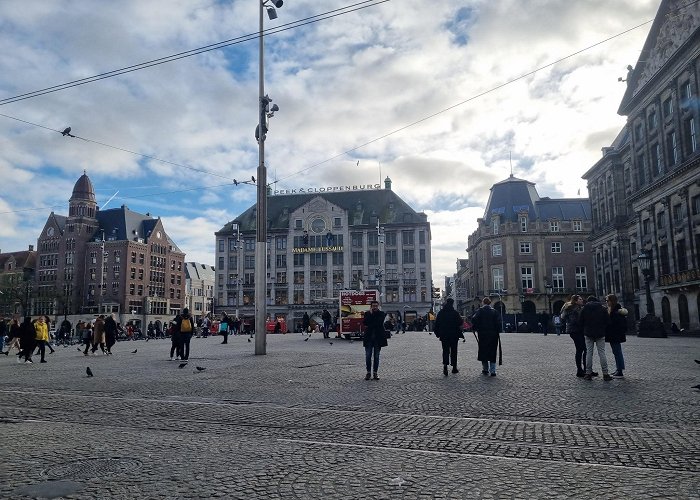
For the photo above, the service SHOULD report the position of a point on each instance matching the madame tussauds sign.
(329, 189)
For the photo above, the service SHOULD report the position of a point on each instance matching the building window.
(356, 239)
(298, 277)
(281, 260)
(336, 222)
(318, 277)
(558, 278)
(682, 257)
(678, 213)
(496, 250)
(133, 257)
(249, 261)
(645, 226)
(421, 255)
(281, 242)
(391, 257)
(409, 257)
(578, 247)
(318, 259)
(576, 225)
(407, 237)
(660, 220)
(249, 244)
(421, 237)
(581, 279)
(556, 247)
(497, 275)
(526, 277)
(525, 247)
(372, 239)
(523, 223)
(298, 260)
(652, 120)
(696, 204)
(668, 108)
(373, 257)
(390, 237)
(494, 225)
(298, 224)
(692, 135)
(357, 258)
(641, 167)
(656, 159)
(553, 226)
(338, 259)
(672, 148)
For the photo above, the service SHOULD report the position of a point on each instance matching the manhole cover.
(91, 467)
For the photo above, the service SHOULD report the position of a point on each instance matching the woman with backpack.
(615, 332)
(570, 316)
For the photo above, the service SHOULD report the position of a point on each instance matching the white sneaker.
(29, 361)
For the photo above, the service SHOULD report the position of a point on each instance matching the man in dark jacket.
(594, 320)
(487, 324)
(110, 332)
(448, 328)
(374, 337)
(326, 317)
(184, 326)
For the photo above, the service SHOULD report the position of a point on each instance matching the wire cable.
(189, 53)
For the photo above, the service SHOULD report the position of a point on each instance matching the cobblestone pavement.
(301, 422)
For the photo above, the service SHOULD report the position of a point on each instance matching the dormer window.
(494, 225)
(523, 223)
(553, 226)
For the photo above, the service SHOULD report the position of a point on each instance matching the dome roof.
(83, 189)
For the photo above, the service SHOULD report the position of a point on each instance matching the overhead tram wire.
(461, 103)
(389, 133)
(189, 53)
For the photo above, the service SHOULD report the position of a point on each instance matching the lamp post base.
(651, 326)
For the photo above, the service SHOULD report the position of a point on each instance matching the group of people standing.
(102, 334)
(593, 324)
(26, 337)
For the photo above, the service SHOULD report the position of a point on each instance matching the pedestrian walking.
(47, 342)
(86, 335)
(448, 328)
(486, 321)
(98, 335)
(3, 331)
(305, 323)
(206, 324)
(374, 338)
(570, 315)
(184, 326)
(41, 330)
(615, 332)
(13, 337)
(27, 336)
(110, 332)
(594, 321)
(326, 317)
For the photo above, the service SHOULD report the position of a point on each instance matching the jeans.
(580, 343)
(488, 366)
(449, 352)
(619, 358)
(600, 346)
(368, 357)
(185, 345)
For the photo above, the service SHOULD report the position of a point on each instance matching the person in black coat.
(448, 328)
(27, 340)
(570, 316)
(110, 332)
(487, 324)
(374, 338)
(615, 332)
(594, 321)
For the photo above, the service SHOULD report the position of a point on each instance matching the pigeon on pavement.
(307, 338)
(331, 343)
(134, 351)
(182, 365)
(88, 371)
(200, 368)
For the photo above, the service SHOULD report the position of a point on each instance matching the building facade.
(17, 282)
(528, 253)
(200, 280)
(645, 190)
(324, 241)
(107, 261)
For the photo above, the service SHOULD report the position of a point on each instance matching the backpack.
(186, 325)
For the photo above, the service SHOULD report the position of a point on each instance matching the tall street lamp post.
(265, 112)
(650, 325)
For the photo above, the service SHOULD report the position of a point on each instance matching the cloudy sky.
(417, 88)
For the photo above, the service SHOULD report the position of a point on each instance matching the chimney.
(31, 248)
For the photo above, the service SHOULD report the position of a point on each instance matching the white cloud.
(341, 83)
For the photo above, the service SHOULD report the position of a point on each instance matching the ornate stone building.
(199, 288)
(101, 261)
(322, 241)
(17, 282)
(528, 253)
(645, 190)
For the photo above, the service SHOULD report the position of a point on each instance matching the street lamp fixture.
(650, 325)
(265, 113)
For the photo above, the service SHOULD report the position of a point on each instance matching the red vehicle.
(271, 325)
